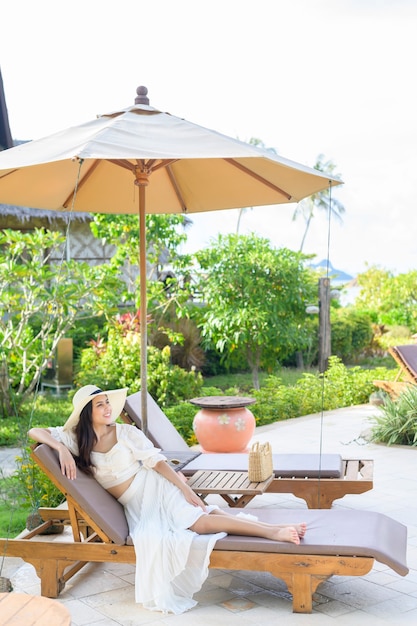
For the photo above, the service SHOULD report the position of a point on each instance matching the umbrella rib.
(122, 163)
(176, 188)
(68, 201)
(259, 178)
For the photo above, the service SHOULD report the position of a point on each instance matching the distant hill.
(336, 275)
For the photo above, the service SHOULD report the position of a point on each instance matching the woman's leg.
(300, 527)
(216, 523)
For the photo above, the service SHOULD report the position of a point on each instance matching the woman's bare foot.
(301, 529)
(288, 533)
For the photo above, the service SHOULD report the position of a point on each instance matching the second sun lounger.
(406, 357)
(317, 479)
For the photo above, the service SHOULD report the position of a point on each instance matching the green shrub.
(397, 423)
(33, 487)
(117, 364)
(338, 387)
(351, 333)
(182, 416)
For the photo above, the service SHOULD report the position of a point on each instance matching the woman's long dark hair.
(86, 439)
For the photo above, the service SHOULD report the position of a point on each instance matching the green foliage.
(338, 387)
(397, 423)
(33, 487)
(116, 363)
(12, 521)
(182, 416)
(392, 298)
(164, 234)
(39, 303)
(40, 410)
(256, 298)
(307, 393)
(351, 333)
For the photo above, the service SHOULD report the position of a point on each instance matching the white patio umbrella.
(141, 160)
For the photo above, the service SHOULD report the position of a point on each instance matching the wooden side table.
(226, 484)
(21, 609)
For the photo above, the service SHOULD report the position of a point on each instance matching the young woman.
(173, 531)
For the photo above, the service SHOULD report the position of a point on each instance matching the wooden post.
(324, 324)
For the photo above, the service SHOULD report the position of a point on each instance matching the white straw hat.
(117, 399)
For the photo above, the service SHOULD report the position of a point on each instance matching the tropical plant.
(253, 141)
(116, 363)
(397, 423)
(39, 303)
(321, 201)
(255, 299)
(391, 298)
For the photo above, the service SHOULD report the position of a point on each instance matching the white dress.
(171, 561)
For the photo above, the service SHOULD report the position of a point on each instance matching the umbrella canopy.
(141, 160)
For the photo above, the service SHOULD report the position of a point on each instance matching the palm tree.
(319, 201)
(259, 144)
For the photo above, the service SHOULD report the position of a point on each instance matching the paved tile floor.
(103, 594)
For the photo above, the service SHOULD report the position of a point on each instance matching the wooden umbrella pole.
(142, 181)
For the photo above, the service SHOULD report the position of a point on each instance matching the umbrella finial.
(142, 97)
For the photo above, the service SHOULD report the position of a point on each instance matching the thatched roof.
(25, 214)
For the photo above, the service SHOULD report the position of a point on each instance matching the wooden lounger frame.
(406, 357)
(56, 561)
(320, 493)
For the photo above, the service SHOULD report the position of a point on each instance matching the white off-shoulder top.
(132, 451)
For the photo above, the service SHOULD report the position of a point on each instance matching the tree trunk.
(254, 359)
(5, 400)
(306, 230)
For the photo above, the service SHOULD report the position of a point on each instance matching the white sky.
(306, 77)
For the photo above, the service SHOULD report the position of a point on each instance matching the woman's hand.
(192, 497)
(67, 462)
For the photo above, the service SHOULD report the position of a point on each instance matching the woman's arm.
(66, 460)
(165, 470)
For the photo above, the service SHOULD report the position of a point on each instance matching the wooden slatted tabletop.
(22, 609)
(227, 483)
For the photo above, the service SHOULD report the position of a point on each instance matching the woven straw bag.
(260, 462)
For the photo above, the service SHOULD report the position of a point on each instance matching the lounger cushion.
(105, 510)
(332, 532)
(162, 433)
(285, 465)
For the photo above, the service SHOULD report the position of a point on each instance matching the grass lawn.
(243, 381)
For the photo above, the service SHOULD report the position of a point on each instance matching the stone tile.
(90, 582)
(82, 614)
(214, 595)
(359, 593)
(334, 608)
(394, 606)
(237, 605)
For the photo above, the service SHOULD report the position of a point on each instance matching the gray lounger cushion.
(105, 510)
(285, 465)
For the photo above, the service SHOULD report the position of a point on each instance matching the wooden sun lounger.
(406, 357)
(344, 543)
(317, 479)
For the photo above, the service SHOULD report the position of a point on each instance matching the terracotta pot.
(224, 429)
